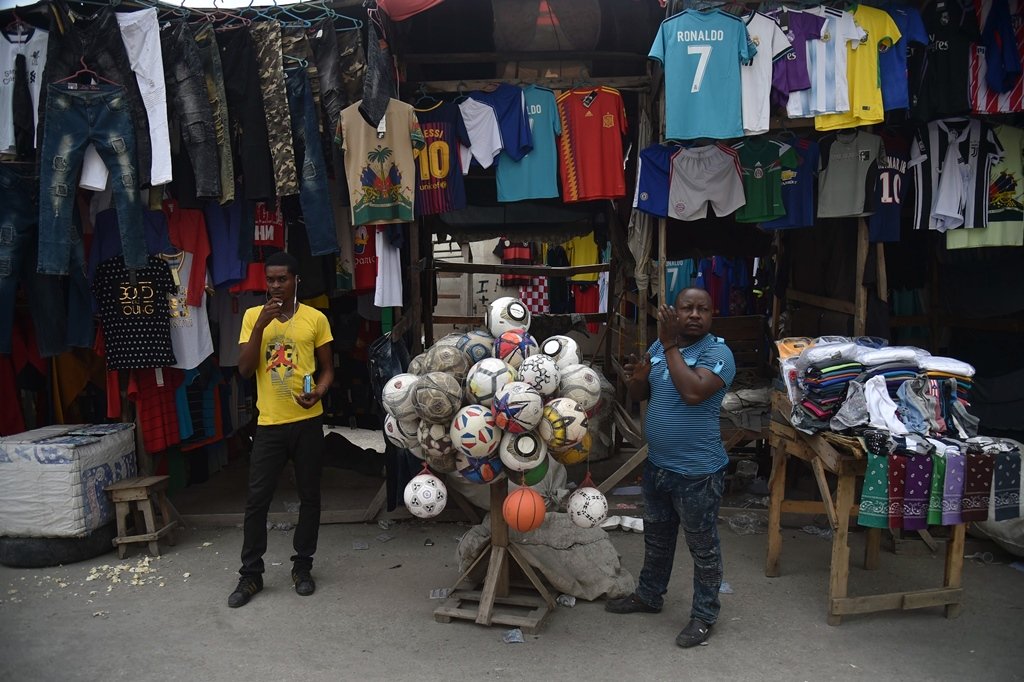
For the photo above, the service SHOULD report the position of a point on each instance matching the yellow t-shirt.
(862, 71)
(289, 354)
(583, 251)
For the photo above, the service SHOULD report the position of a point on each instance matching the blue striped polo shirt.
(685, 438)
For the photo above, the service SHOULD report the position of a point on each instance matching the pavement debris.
(513, 636)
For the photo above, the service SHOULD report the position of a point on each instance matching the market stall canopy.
(400, 10)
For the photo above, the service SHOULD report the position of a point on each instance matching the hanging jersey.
(514, 253)
(484, 136)
(943, 200)
(535, 176)
(583, 251)
(952, 31)
(34, 51)
(892, 63)
(590, 154)
(994, 87)
(510, 108)
(826, 63)
(792, 75)
(653, 169)
(364, 250)
(884, 225)
(439, 184)
(1005, 199)
(190, 324)
(756, 77)
(761, 162)
(798, 187)
(848, 173)
(702, 176)
(702, 53)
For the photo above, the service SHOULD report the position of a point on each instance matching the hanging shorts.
(704, 175)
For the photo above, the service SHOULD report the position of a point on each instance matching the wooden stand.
(142, 493)
(823, 457)
(528, 610)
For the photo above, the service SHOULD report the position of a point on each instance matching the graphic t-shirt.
(287, 355)
(995, 83)
(792, 74)
(862, 71)
(510, 109)
(364, 250)
(702, 53)
(893, 62)
(798, 187)
(190, 324)
(951, 32)
(593, 122)
(762, 161)
(847, 174)
(826, 63)
(653, 170)
(535, 176)
(439, 184)
(34, 50)
(1005, 208)
(756, 77)
(379, 163)
(136, 316)
(187, 230)
(884, 225)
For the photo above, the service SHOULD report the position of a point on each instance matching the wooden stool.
(141, 493)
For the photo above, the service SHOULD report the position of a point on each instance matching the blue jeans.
(74, 118)
(314, 196)
(671, 498)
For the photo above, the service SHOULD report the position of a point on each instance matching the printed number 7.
(705, 54)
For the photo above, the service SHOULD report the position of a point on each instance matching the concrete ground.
(371, 618)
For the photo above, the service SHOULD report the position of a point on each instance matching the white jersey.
(826, 65)
(190, 325)
(34, 49)
(484, 134)
(388, 291)
(756, 77)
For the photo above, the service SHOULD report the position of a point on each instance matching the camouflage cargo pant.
(267, 36)
(210, 56)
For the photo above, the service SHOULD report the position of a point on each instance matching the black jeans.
(303, 443)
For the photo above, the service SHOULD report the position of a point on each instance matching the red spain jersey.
(590, 146)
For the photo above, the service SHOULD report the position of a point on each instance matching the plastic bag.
(387, 358)
(748, 524)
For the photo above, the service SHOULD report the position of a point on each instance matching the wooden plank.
(377, 503)
(777, 488)
(893, 601)
(826, 494)
(539, 56)
(860, 296)
(627, 426)
(922, 599)
(803, 507)
(883, 276)
(496, 566)
(531, 575)
(833, 304)
(954, 567)
(872, 546)
(619, 82)
(327, 516)
(839, 568)
(624, 470)
(532, 270)
(475, 319)
(140, 482)
(928, 540)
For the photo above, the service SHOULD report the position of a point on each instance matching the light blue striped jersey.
(826, 66)
(685, 438)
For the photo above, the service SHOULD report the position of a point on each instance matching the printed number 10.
(705, 54)
(433, 160)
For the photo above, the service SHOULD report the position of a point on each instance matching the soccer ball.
(416, 364)
(401, 434)
(587, 507)
(397, 396)
(473, 431)
(478, 469)
(582, 384)
(562, 349)
(540, 372)
(435, 440)
(517, 407)
(574, 454)
(447, 359)
(485, 378)
(506, 313)
(417, 449)
(564, 423)
(477, 344)
(425, 496)
(437, 397)
(514, 346)
(522, 451)
(448, 340)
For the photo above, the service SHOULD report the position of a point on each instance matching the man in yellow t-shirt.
(283, 342)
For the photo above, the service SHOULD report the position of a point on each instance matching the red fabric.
(269, 227)
(11, 420)
(587, 298)
(187, 229)
(365, 257)
(535, 295)
(255, 280)
(400, 10)
(157, 409)
(24, 347)
(514, 253)
(590, 157)
(113, 378)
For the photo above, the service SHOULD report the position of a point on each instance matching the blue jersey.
(798, 188)
(685, 438)
(653, 173)
(702, 53)
(510, 110)
(892, 63)
(885, 223)
(535, 176)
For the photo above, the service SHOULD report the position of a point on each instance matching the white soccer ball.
(486, 378)
(582, 384)
(401, 434)
(397, 396)
(473, 431)
(425, 496)
(540, 372)
(478, 469)
(514, 346)
(448, 360)
(507, 313)
(562, 349)
(448, 340)
(522, 451)
(437, 397)
(477, 344)
(587, 507)
(416, 364)
(564, 423)
(517, 407)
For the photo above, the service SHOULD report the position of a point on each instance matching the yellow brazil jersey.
(863, 74)
(288, 354)
(583, 251)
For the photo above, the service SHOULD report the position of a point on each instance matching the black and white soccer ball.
(587, 507)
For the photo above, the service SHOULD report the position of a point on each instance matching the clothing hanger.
(424, 99)
(355, 24)
(19, 27)
(297, 61)
(86, 71)
(296, 19)
(228, 17)
(462, 96)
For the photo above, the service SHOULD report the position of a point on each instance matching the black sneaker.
(630, 604)
(304, 585)
(248, 585)
(696, 632)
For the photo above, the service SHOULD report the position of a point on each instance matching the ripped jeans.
(74, 118)
(672, 499)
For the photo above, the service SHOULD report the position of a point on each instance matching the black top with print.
(136, 316)
(952, 29)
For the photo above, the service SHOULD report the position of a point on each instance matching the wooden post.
(860, 300)
(839, 575)
(777, 490)
(955, 565)
(415, 286)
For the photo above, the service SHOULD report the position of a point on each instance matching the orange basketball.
(524, 510)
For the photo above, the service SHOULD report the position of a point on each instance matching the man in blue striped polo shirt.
(684, 376)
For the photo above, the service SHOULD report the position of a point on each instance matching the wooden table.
(847, 465)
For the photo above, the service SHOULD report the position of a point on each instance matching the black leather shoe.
(630, 604)
(248, 585)
(696, 632)
(304, 585)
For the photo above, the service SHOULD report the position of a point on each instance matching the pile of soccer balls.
(491, 400)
